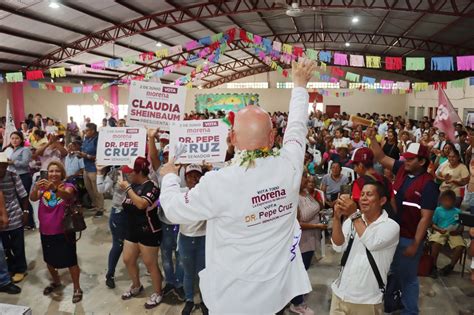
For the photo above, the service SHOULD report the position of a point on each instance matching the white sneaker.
(153, 301)
(301, 309)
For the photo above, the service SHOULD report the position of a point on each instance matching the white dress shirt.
(253, 261)
(356, 282)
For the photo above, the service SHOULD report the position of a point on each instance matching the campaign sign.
(198, 140)
(120, 145)
(155, 105)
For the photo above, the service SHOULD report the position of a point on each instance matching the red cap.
(416, 150)
(139, 164)
(362, 155)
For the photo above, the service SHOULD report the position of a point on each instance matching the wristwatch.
(356, 215)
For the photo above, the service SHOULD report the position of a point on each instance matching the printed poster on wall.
(155, 105)
(120, 145)
(199, 140)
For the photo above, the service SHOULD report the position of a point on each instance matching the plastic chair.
(349, 172)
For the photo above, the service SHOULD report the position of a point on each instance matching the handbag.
(73, 221)
(392, 293)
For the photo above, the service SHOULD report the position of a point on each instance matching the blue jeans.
(4, 275)
(173, 272)
(14, 247)
(307, 257)
(117, 224)
(192, 255)
(406, 272)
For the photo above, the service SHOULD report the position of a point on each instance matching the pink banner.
(18, 102)
(114, 99)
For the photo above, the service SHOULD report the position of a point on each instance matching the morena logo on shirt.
(268, 195)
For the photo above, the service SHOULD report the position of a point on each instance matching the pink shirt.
(51, 212)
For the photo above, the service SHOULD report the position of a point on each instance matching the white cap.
(193, 167)
(3, 157)
(164, 136)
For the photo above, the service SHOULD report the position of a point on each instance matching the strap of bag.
(376, 271)
(347, 251)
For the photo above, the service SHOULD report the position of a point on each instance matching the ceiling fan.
(294, 10)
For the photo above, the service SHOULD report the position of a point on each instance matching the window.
(247, 85)
(95, 112)
(311, 85)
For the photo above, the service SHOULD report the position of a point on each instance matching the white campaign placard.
(203, 140)
(155, 105)
(119, 145)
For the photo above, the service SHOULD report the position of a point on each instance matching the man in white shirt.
(253, 262)
(356, 290)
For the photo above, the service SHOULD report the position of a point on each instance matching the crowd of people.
(373, 189)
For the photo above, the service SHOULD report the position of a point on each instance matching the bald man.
(253, 261)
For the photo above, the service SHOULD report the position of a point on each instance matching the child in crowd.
(446, 228)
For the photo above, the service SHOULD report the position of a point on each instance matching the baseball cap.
(164, 137)
(416, 150)
(362, 155)
(3, 157)
(193, 167)
(137, 164)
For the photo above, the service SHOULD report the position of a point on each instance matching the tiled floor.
(446, 296)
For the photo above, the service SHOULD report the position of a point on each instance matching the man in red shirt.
(363, 164)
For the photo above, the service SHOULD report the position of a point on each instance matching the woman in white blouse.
(308, 217)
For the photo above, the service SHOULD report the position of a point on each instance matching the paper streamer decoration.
(177, 49)
(34, 75)
(356, 60)
(311, 54)
(393, 63)
(98, 65)
(161, 53)
(403, 85)
(337, 72)
(386, 84)
(340, 59)
(57, 72)
(14, 77)
(415, 63)
(114, 63)
(465, 63)
(352, 77)
(420, 86)
(442, 63)
(130, 60)
(373, 62)
(457, 83)
(368, 80)
(325, 56)
(1, 78)
(471, 81)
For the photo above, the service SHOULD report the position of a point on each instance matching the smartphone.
(346, 190)
(43, 174)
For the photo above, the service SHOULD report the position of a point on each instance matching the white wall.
(461, 98)
(54, 104)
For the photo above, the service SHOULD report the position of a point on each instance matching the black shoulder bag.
(392, 294)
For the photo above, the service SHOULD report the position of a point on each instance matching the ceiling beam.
(377, 30)
(444, 29)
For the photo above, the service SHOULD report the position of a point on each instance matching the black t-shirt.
(146, 219)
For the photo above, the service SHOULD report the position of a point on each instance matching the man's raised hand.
(302, 71)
